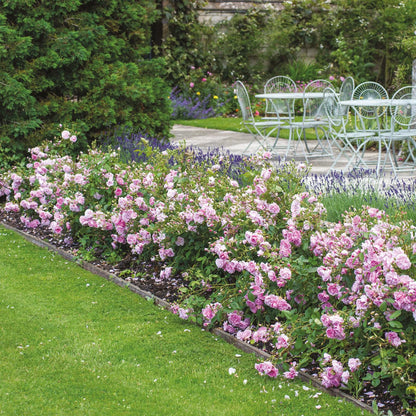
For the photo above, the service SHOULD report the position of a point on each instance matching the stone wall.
(217, 10)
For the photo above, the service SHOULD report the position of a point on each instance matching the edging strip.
(243, 346)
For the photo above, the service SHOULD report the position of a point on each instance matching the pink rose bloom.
(274, 208)
(244, 335)
(229, 328)
(73, 138)
(203, 79)
(276, 302)
(234, 318)
(191, 84)
(402, 260)
(65, 134)
(325, 273)
(261, 335)
(354, 363)
(394, 339)
(183, 313)
(292, 373)
(165, 273)
(372, 212)
(285, 273)
(271, 275)
(285, 249)
(267, 368)
(282, 341)
(277, 327)
(323, 297)
(266, 173)
(331, 78)
(295, 208)
(334, 289)
(345, 376)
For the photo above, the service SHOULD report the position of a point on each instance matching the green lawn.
(234, 124)
(73, 343)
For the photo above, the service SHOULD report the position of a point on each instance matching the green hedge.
(84, 64)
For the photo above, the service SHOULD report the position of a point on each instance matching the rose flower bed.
(252, 249)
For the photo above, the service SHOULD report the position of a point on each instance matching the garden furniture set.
(345, 122)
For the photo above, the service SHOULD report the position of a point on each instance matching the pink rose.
(65, 134)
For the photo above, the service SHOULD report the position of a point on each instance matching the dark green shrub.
(84, 64)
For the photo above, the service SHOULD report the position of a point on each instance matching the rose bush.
(254, 251)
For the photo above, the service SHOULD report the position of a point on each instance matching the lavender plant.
(341, 191)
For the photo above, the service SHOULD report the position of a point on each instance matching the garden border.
(244, 347)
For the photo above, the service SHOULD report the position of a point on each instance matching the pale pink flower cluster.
(235, 322)
(369, 250)
(394, 339)
(67, 135)
(335, 374)
(334, 326)
(267, 368)
(209, 311)
(183, 313)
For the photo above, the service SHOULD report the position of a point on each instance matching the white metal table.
(288, 97)
(382, 136)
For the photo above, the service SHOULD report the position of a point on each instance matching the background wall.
(217, 10)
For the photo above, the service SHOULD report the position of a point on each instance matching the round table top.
(290, 95)
(379, 102)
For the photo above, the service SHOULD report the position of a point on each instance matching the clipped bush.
(86, 64)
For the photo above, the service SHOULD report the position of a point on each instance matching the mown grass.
(74, 343)
(234, 124)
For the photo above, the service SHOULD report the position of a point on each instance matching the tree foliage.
(185, 44)
(368, 39)
(81, 63)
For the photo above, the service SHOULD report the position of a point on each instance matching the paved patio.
(237, 142)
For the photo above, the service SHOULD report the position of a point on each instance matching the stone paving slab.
(237, 142)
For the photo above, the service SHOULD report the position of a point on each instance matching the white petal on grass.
(231, 371)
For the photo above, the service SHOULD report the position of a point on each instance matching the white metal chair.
(260, 130)
(346, 91)
(375, 118)
(402, 132)
(279, 108)
(314, 118)
(285, 108)
(347, 141)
